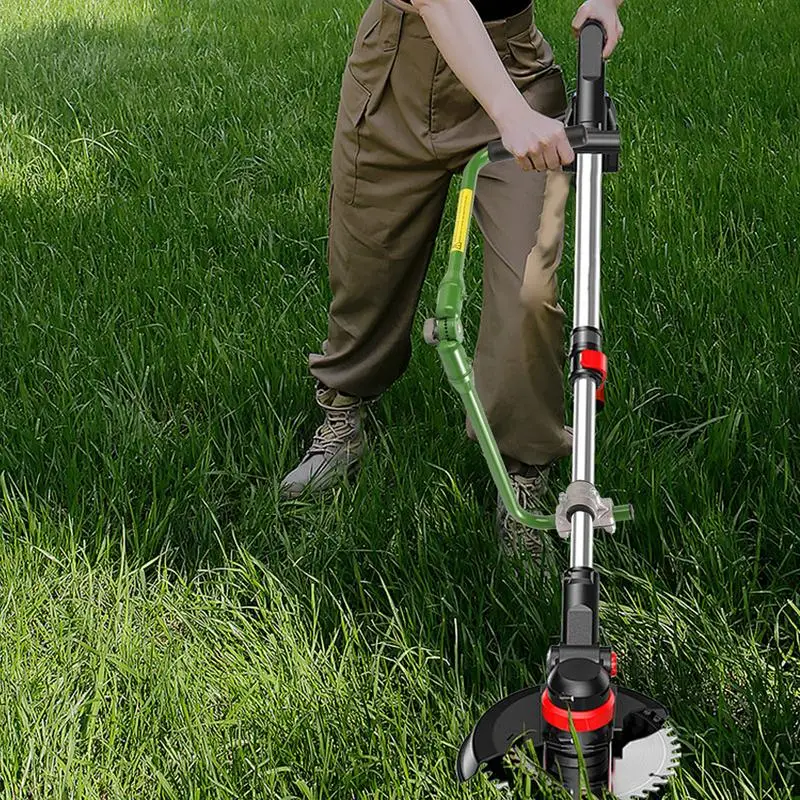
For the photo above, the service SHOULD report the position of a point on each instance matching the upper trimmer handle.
(591, 120)
(581, 139)
(591, 40)
(590, 90)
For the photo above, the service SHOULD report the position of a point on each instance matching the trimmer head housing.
(631, 756)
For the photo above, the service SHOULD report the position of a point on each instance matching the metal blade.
(646, 765)
(643, 770)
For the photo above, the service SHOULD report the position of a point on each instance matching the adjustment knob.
(430, 331)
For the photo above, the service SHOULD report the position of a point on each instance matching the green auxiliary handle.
(445, 331)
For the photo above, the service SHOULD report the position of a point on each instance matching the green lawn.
(168, 628)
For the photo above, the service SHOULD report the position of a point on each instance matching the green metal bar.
(459, 372)
(451, 290)
(458, 367)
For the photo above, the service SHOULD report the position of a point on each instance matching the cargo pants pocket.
(364, 82)
(531, 65)
(353, 101)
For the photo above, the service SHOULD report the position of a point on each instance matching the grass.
(168, 628)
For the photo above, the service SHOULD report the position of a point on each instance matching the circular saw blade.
(646, 765)
(641, 773)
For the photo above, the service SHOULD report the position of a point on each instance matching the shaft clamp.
(582, 496)
(447, 329)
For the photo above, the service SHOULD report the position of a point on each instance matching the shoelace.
(527, 491)
(333, 433)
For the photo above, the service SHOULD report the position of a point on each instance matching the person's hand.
(535, 140)
(605, 12)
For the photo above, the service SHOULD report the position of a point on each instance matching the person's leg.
(387, 197)
(519, 357)
(519, 354)
(378, 258)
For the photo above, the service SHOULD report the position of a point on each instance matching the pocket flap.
(354, 97)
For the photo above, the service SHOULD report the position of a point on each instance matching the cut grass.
(169, 629)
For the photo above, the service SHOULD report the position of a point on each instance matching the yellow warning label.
(462, 220)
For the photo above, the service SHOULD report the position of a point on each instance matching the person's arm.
(457, 30)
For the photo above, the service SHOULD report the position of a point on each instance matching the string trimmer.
(580, 714)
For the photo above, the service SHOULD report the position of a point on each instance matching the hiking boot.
(336, 449)
(530, 487)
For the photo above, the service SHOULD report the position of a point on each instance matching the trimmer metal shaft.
(586, 315)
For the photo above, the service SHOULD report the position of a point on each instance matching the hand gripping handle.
(581, 139)
(588, 135)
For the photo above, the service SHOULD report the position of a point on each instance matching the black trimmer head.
(580, 728)
(626, 744)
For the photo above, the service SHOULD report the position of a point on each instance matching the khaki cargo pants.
(405, 126)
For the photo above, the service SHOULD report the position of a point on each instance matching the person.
(426, 85)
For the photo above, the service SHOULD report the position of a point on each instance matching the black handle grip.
(590, 88)
(580, 139)
(590, 50)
